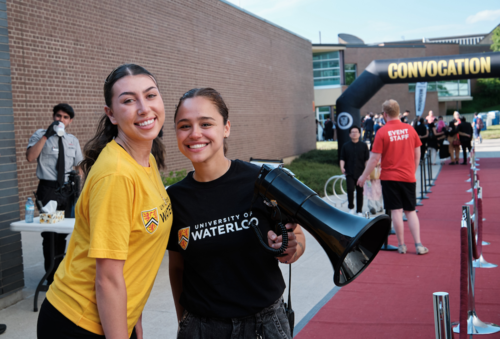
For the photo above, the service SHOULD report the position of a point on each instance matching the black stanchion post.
(422, 190)
(429, 161)
(427, 190)
(386, 246)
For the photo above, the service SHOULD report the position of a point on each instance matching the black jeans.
(465, 146)
(270, 323)
(368, 136)
(52, 324)
(48, 190)
(351, 186)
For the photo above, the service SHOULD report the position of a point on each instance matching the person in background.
(404, 118)
(319, 131)
(432, 141)
(415, 121)
(465, 132)
(430, 117)
(423, 134)
(368, 128)
(353, 158)
(454, 143)
(441, 125)
(477, 124)
(56, 156)
(398, 147)
(328, 129)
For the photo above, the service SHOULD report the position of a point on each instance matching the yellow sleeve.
(110, 217)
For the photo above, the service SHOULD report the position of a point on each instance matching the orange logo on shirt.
(150, 220)
(184, 237)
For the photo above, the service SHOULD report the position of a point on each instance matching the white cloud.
(487, 15)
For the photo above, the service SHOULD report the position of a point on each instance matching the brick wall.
(61, 51)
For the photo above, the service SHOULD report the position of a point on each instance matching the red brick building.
(61, 51)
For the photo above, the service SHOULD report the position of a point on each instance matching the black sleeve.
(342, 152)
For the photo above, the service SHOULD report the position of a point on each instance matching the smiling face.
(137, 108)
(200, 130)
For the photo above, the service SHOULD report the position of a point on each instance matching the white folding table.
(65, 226)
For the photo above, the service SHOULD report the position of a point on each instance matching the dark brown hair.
(106, 131)
(212, 95)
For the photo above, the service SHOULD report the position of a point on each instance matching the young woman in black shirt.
(224, 284)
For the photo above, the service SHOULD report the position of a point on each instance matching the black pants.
(52, 324)
(465, 146)
(351, 186)
(368, 136)
(48, 190)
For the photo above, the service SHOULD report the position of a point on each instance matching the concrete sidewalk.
(312, 282)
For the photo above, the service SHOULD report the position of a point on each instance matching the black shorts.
(398, 194)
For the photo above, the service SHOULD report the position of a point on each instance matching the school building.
(61, 52)
(336, 66)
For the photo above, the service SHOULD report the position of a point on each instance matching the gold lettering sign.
(441, 68)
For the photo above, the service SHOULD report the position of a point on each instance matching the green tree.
(495, 46)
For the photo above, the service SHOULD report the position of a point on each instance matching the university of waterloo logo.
(150, 220)
(184, 237)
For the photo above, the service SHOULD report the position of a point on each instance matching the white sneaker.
(353, 211)
(359, 214)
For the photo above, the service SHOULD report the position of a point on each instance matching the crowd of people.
(440, 140)
(388, 171)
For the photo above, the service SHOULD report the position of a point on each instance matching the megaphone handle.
(274, 251)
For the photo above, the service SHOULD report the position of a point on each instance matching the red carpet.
(393, 297)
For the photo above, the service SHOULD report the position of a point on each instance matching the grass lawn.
(493, 132)
(315, 167)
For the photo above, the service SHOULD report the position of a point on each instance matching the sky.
(377, 21)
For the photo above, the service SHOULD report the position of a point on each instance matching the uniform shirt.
(123, 213)
(396, 142)
(47, 160)
(355, 155)
(227, 273)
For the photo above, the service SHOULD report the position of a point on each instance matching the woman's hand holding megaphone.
(296, 243)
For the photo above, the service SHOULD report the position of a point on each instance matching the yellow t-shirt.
(119, 215)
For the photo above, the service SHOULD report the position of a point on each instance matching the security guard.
(56, 156)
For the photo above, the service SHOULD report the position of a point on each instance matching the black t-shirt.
(355, 155)
(227, 273)
(465, 127)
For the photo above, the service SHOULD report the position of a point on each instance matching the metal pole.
(474, 324)
(427, 190)
(429, 167)
(422, 195)
(442, 322)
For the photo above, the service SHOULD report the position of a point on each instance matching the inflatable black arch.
(397, 71)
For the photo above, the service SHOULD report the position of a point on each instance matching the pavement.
(312, 281)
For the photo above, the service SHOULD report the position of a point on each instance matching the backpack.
(479, 123)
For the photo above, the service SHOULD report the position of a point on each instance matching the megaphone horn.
(350, 242)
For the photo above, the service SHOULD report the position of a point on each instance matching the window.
(326, 68)
(350, 73)
(448, 88)
(323, 113)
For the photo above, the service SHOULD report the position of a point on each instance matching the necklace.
(228, 165)
(156, 172)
